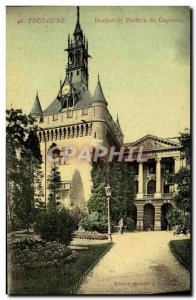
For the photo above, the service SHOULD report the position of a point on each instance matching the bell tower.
(77, 66)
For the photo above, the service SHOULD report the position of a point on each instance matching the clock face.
(65, 89)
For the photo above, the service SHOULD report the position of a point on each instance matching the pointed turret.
(119, 127)
(36, 109)
(98, 95)
(118, 123)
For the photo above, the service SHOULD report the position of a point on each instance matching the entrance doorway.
(164, 210)
(149, 215)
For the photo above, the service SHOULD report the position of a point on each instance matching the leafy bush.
(26, 244)
(55, 225)
(31, 254)
(94, 222)
(90, 235)
(130, 224)
(176, 217)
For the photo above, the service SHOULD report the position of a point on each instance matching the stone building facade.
(76, 118)
(154, 194)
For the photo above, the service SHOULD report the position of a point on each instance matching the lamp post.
(108, 194)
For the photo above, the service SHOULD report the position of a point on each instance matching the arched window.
(73, 131)
(55, 134)
(86, 129)
(48, 136)
(68, 132)
(60, 133)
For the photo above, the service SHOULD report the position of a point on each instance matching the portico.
(153, 191)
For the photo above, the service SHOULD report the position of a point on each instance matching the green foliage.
(121, 180)
(54, 225)
(54, 187)
(60, 280)
(182, 199)
(31, 254)
(177, 217)
(77, 215)
(185, 141)
(23, 166)
(129, 223)
(94, 221)
(90, 235)
(174, 217)
(183, 196)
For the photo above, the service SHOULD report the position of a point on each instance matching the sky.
(144, 66)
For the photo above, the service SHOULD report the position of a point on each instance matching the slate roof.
(85, 100)
(36, 109)
(98, 95)
(53, 108)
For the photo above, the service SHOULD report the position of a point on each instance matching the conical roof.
(98, 95)
(118, 123)
(36, 109)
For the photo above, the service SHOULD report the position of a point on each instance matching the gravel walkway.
(138, 263)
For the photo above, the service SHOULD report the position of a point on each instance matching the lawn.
(55, 280)
(182, 249)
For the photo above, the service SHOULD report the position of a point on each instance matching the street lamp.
(108, 194)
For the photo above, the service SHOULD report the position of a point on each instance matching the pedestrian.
(121, 225)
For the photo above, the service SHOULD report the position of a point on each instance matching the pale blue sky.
(144, 68)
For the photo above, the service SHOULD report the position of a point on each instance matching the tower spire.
(78, 14)
(78, 29)
(77, 67)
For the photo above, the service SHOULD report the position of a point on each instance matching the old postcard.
(98, 150)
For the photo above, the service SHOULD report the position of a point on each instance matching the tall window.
(152, 168)
(151, 187)
(65, 189)
(55, 117)
(70, 114)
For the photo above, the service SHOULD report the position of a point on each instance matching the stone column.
(140, 216)
(140, 181)
(157, 220)
(158, 178)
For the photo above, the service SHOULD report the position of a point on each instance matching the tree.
(23, 166)
(54, 187)
(182, 179)
(98, 201)
(77, 191)
(185, 141)
(121, 181)
(55, 225)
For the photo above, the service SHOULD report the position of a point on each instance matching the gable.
(151, 142)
